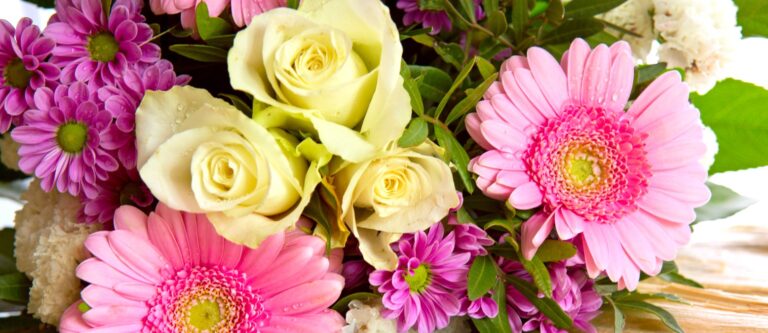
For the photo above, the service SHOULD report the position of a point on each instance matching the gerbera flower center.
(102, 47)
(206, 299)
(16, 75)
(71, 137)
(590, 161)
(419, 280)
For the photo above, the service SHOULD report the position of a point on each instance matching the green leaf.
(618, 317)
(678, 278)
(469, 102)
(503, 225)
(456, 83)
(555, 11)
(293, 4)
(496, 22)
(662, 314)
(7, 261)
(538, 8)
(43, 3)
(238, 102)
(457, 154)
(572, 29)
(485, 67)
(468, 9)
(539, 273)
(735, 111)
(490, 5)
(222, 41)
(555, 250)
(751, 17)
(24, 323)
(500, 323)
(482, 277)
(412, 87)
(588, 8)
(415, 134)
(208, 26)
(433, 82)
(203, 53)
(519, 18)
(106, 7)
(647, 73)
(342, 305)
(724, 203)
(546, 305)
(14, 287)
(638, 296)
(451, 53)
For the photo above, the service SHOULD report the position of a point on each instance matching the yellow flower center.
(16, 75)
(102, 47)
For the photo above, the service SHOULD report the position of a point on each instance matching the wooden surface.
(730, 258)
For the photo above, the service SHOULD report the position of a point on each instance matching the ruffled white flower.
(49, 246)
(635, 16)
(366, 318)
(9, 155)
(700, 36)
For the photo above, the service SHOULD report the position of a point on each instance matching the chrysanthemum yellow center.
(16, 75)
(419, 280)
(204, 315)
(103, 47)
(71, 137)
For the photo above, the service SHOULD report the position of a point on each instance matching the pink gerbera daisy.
(61, 140)
(23, 55)
(171, 272)
(426, 288)
(94, 48)
(558, 137)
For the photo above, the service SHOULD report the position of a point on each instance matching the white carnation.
(49, 246)
(634, 16)
(9, 155)
(366, 318)
(700, 36)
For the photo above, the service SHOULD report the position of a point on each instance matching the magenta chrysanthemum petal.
(97, 49)
(61, 140)
(23, 69)
(571, 289)
(558, 137)
(122, 187)
(435, 19)
(171, 272)
(429, 283)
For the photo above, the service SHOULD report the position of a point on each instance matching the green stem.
(476, 26)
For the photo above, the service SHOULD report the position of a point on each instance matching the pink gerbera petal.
(172, 273)
(616, 181)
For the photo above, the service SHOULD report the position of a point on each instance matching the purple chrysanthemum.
(123, 98)
(434, 18)
(61, 140)
(97, 49)
(572, 289)
(122, 187)
(23, 52)
(426, 288)
(469, 237)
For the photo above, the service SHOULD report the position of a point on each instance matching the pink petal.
(146, 261)
(535, 95)
(517, 96)
(568, 224)
(667, 207)
(596, 75)
(639, 249)
(527, 196)
(620, 84)
(308, 297)
(472, 121)
(115, 315)
(97, 272)
(502, 136)
(575, 61)
(254, 262)
(514, 62)
(131, 219)
(658, 87)
(549, 76)
(534, 232)
(96, 296)
(162, 236)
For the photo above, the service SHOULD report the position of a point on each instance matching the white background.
(750, 67)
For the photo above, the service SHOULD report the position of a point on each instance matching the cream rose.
(199, 154)
(400, 191)
(332, 64)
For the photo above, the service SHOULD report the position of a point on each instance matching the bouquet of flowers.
(363, 166)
